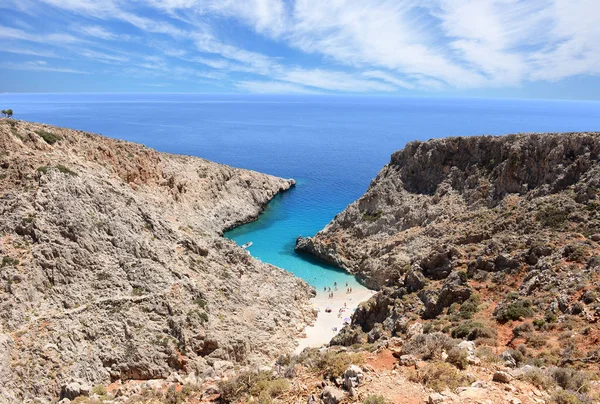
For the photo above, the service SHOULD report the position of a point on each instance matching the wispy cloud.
(273, 87)
(39, 65)
(335, 46)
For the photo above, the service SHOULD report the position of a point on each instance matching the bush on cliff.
(516, 310)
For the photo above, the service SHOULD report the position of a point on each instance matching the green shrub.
(469, 307)
(522, 329)
(48, 137)
(9, 261)
(66, 170)
(515, 311)
(372, 399)
(202, 303)
(371, 217)
(473, 331)
(99, 389)
(552, 216)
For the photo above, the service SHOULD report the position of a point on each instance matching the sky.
(487, 48)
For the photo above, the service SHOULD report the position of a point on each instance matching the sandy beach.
(327, 325)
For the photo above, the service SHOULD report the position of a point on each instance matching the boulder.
(408, 360)
(414, 330)
(435, 398)
(508, 359)
(438, 264)
(501, 376)
(74, 390)
(455, 290)
(352, 378)
(332, 395)
(430, 300)
(414, 280)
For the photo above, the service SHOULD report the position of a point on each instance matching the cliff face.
(458, 191)
(113, 266)
(448, 224)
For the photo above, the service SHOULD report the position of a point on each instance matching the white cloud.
(273, 87)
(38, 66)
(95, 31)
(352, 45)
(332, 80)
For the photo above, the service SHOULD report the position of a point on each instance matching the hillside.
(494, 240)
(114, 268)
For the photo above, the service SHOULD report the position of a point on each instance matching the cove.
(273, 237)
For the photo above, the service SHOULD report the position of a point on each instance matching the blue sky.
(507, 48)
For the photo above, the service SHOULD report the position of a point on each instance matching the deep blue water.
(332, 145)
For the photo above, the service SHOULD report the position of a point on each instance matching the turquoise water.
(332, 145)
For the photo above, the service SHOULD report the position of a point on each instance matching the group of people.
(335, 288)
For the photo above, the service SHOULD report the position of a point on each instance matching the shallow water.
(332, 145)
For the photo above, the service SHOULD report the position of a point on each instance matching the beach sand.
(323, 330)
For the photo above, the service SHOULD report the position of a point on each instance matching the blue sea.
(332, 145)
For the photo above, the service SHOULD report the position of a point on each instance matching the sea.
(333, 146)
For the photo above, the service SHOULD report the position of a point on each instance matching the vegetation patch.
(48, 137)
(440, 376)
(332, 364)
(66, 170)
(260, 385)
(373, 399)
(9, 261)
(514, 311)
(372, 217)
(552, 216)
(472, 331)
(59, 167)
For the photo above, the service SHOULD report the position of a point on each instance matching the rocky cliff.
(113, 266)
(490, 239)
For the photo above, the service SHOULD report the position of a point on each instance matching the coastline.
(322, 331)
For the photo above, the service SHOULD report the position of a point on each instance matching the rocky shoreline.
(113, 267)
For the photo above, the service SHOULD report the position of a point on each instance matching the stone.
(414, 330)
(435, 398)
(332, 395)
(352, 378)
(454, 290)
(408, 360)
(508, 359)
(414, 280)
(74, 390)
(501, 377)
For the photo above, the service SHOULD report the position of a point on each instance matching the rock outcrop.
(113, 265)
(470, 233)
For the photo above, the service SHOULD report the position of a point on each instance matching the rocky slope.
(113, 267)
(490, 239)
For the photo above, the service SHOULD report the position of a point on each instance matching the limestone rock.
(501, 377)
(123, 272)
(435, 398)
(332, 395)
